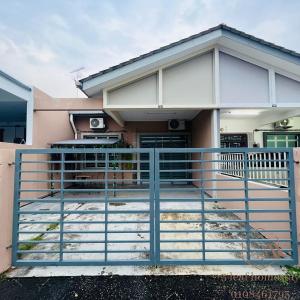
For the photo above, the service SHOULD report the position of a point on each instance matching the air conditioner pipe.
(73, 126)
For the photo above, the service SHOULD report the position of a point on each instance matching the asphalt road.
(149, 287)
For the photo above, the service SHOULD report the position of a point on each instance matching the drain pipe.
(73, 126)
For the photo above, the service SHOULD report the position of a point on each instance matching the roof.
(218, 27)
(88, 142)
(15, 81)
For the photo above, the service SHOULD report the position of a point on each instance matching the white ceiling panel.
(158, 115)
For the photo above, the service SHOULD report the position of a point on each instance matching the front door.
(167, 159)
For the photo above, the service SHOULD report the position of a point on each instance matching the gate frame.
(154, 207)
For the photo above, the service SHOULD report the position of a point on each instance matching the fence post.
(16, 216)
(106, 195)
(62, 206)
(248, 227)
(293, 216)
(152, 205)
(157, 205)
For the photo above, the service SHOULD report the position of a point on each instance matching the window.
(97, 160)
(93, 136)
(237, 140)
(281, 140)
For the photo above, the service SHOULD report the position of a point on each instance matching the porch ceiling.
(5, 96)
(12, 112)
(12, 108)
(158, 115)
(259, 117)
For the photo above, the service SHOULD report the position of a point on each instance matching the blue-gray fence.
(94, 207)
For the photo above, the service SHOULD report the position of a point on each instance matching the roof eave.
(150, 62)
(95, 83)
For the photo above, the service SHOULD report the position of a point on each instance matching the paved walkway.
(52, 233)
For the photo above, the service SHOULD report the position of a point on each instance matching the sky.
(43, 41)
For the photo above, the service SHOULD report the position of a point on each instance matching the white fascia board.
(13, 87)
(246, 105)
(287, 105)
(185, 106)
(153, 61)
(122, 107)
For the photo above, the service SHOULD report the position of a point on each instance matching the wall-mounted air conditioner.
(282, 125)
(97, 123)
(175, 124)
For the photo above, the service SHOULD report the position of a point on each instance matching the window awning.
(87, 113)
(88, 142)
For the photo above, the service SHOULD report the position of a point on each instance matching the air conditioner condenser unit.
(97, 123)
(175, 124)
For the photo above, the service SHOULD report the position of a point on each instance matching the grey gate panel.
(75, 208)
(239, 210)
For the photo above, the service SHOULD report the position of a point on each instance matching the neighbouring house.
(221, 88)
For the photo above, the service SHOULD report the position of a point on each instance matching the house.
(215, 115)
(220, 81)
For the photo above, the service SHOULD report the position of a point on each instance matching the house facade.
(196, 102)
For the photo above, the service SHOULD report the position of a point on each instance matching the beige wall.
(51, 117)
(271, 193)
(202, 138)
(201, 130)
(130, 131)
(7, 158)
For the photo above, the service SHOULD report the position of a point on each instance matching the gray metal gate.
(89, 207)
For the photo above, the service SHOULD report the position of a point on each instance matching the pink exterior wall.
(7, 159)
(201, 130)
(7, 172)
(51, 117)
(51, 121)
(202, 138)
(274, 193)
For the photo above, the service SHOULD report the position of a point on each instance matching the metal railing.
(67, 215)
(266, 167)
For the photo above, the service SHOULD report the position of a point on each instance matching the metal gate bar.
(89, 207)
(221, 219)
(68, 213)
